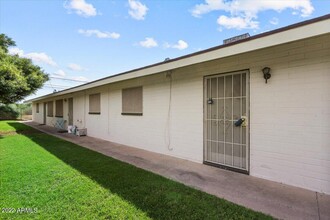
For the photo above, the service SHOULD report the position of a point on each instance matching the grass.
(60, 180)
(6, 127)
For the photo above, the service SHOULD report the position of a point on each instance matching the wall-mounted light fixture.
(266, 72)
(64, 100)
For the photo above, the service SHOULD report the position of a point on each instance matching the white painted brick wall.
(37, 117)
(80, 108)
(149, 131)
(289, 116)
(290, 120)
(50, 121)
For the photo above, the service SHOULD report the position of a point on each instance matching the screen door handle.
(241, 122)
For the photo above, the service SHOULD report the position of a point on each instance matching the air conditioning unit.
(81, 131)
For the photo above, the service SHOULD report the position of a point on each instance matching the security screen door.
(226, 120)
(70, 111)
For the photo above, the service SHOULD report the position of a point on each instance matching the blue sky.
(91, 39)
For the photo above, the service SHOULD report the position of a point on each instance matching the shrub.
(8, 112)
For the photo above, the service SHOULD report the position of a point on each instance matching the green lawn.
(6, 126)
(55, 179)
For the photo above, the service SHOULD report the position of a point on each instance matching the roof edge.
(268, 33)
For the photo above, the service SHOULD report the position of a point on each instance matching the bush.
(25, 108)
(8, 112)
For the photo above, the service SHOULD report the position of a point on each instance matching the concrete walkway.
(278, 200)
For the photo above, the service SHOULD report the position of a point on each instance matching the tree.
(14, 111)
(6, 42)
(19, 77)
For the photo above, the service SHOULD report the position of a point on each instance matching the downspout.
(168, 119)
(108, 109)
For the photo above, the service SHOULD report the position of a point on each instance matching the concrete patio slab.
(276, 199)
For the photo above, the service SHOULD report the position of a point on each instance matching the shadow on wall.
(159, 197)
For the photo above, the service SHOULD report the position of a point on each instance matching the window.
(95, 104)
(50, 109)
(132, 101)
(59, 108)
(37, 108)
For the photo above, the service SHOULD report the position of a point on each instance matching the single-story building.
(259, 105)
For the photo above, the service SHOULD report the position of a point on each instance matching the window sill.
(57, 116)
(94, 113)
(136, 114)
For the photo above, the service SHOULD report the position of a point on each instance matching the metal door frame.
(227, 167)
(45, 112)
(70, 115)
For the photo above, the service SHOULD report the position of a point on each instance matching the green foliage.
(19, 77)
(61, 180)
(14, 111)
(8, 112)
(6, 42)
(25, 109)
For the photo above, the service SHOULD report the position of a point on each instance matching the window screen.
(59, 108)
(94, 104)
(132, 101)
(37, 108)
(50, 109)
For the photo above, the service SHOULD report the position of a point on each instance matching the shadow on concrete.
(157, 196)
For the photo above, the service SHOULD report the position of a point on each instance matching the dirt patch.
(26, 117)
(190, 177)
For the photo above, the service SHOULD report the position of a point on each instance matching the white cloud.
(67, 78)
(75, 67)
(41, 58)
(237, 23)
(99, 34)
(60, 73)
(15, 51)
(80, 78)
(274, 21)
(34, 56)
(246, 11)
(252, 7)
(181, 45)
(80, 7)
(210, 5)
(137, 10)
(149, 42)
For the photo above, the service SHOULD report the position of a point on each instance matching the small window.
(132, 101)
(59, 108)
(50, 109)
(95, 104)
(37, 108)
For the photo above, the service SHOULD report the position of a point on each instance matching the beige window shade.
(59, 108)
(95, 103)
(50, 109)
(132, 100)
(37, 108)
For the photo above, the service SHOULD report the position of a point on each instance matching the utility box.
(70, 129)
(81, 131)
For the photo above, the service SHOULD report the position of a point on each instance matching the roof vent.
(236, 38)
